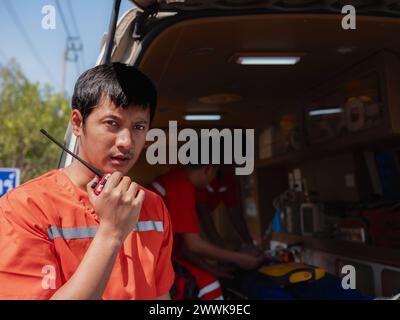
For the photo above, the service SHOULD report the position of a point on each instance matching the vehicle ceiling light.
(320, 112)
(268, 60)
(203, 117)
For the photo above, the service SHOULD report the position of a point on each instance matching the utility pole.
(63, 70)
(72, 47)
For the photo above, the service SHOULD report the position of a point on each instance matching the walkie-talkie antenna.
(87, 165)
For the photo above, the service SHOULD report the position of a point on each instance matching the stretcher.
(257, 285)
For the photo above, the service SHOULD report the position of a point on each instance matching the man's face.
(112, 138)
(208, 174)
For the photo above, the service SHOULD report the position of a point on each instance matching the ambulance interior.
(327, 148)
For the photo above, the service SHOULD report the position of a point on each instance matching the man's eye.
(140, 127)
(112, 123)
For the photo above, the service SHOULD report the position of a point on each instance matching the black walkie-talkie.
(103, 176)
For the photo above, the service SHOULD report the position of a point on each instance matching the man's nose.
(124, 139)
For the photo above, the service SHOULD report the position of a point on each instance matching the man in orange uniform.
(58, 240)
(222, 189)
(178, 189)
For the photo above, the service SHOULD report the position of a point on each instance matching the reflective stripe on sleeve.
(89, 232)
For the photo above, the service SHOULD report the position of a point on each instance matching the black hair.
(196, 166)
(124, 85)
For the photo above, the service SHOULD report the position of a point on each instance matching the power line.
(65, 24)
(77, 69)
(74, 44)
(19, 25)
(63, 18)
(71, 10)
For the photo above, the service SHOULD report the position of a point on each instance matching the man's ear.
(76, 122)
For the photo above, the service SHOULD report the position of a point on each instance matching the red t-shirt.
(219, 190)
(178, 193)
(47, 225)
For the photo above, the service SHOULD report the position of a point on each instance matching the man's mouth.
(120, 160)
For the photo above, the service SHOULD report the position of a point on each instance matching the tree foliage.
(25, 107)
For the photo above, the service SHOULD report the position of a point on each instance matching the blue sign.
(9, 179)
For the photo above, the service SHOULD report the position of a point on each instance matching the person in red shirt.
(178, 189)
(58, 239)
(221, 190)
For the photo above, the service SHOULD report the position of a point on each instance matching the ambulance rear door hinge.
(141, 18)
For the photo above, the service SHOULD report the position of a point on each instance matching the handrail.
(111, 32)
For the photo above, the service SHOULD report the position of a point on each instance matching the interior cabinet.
(353, 109)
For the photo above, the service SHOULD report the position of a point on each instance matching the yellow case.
(295, 272)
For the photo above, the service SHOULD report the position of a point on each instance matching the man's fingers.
(133, 189)
(113, 181)
(140, 197)
(125, 183)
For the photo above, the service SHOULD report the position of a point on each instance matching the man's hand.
(251, 249)
(117, 206)
(249, 261)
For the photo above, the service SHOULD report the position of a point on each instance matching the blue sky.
(92, 19)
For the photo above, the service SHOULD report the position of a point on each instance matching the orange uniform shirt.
(178, 194)
(46, 227)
